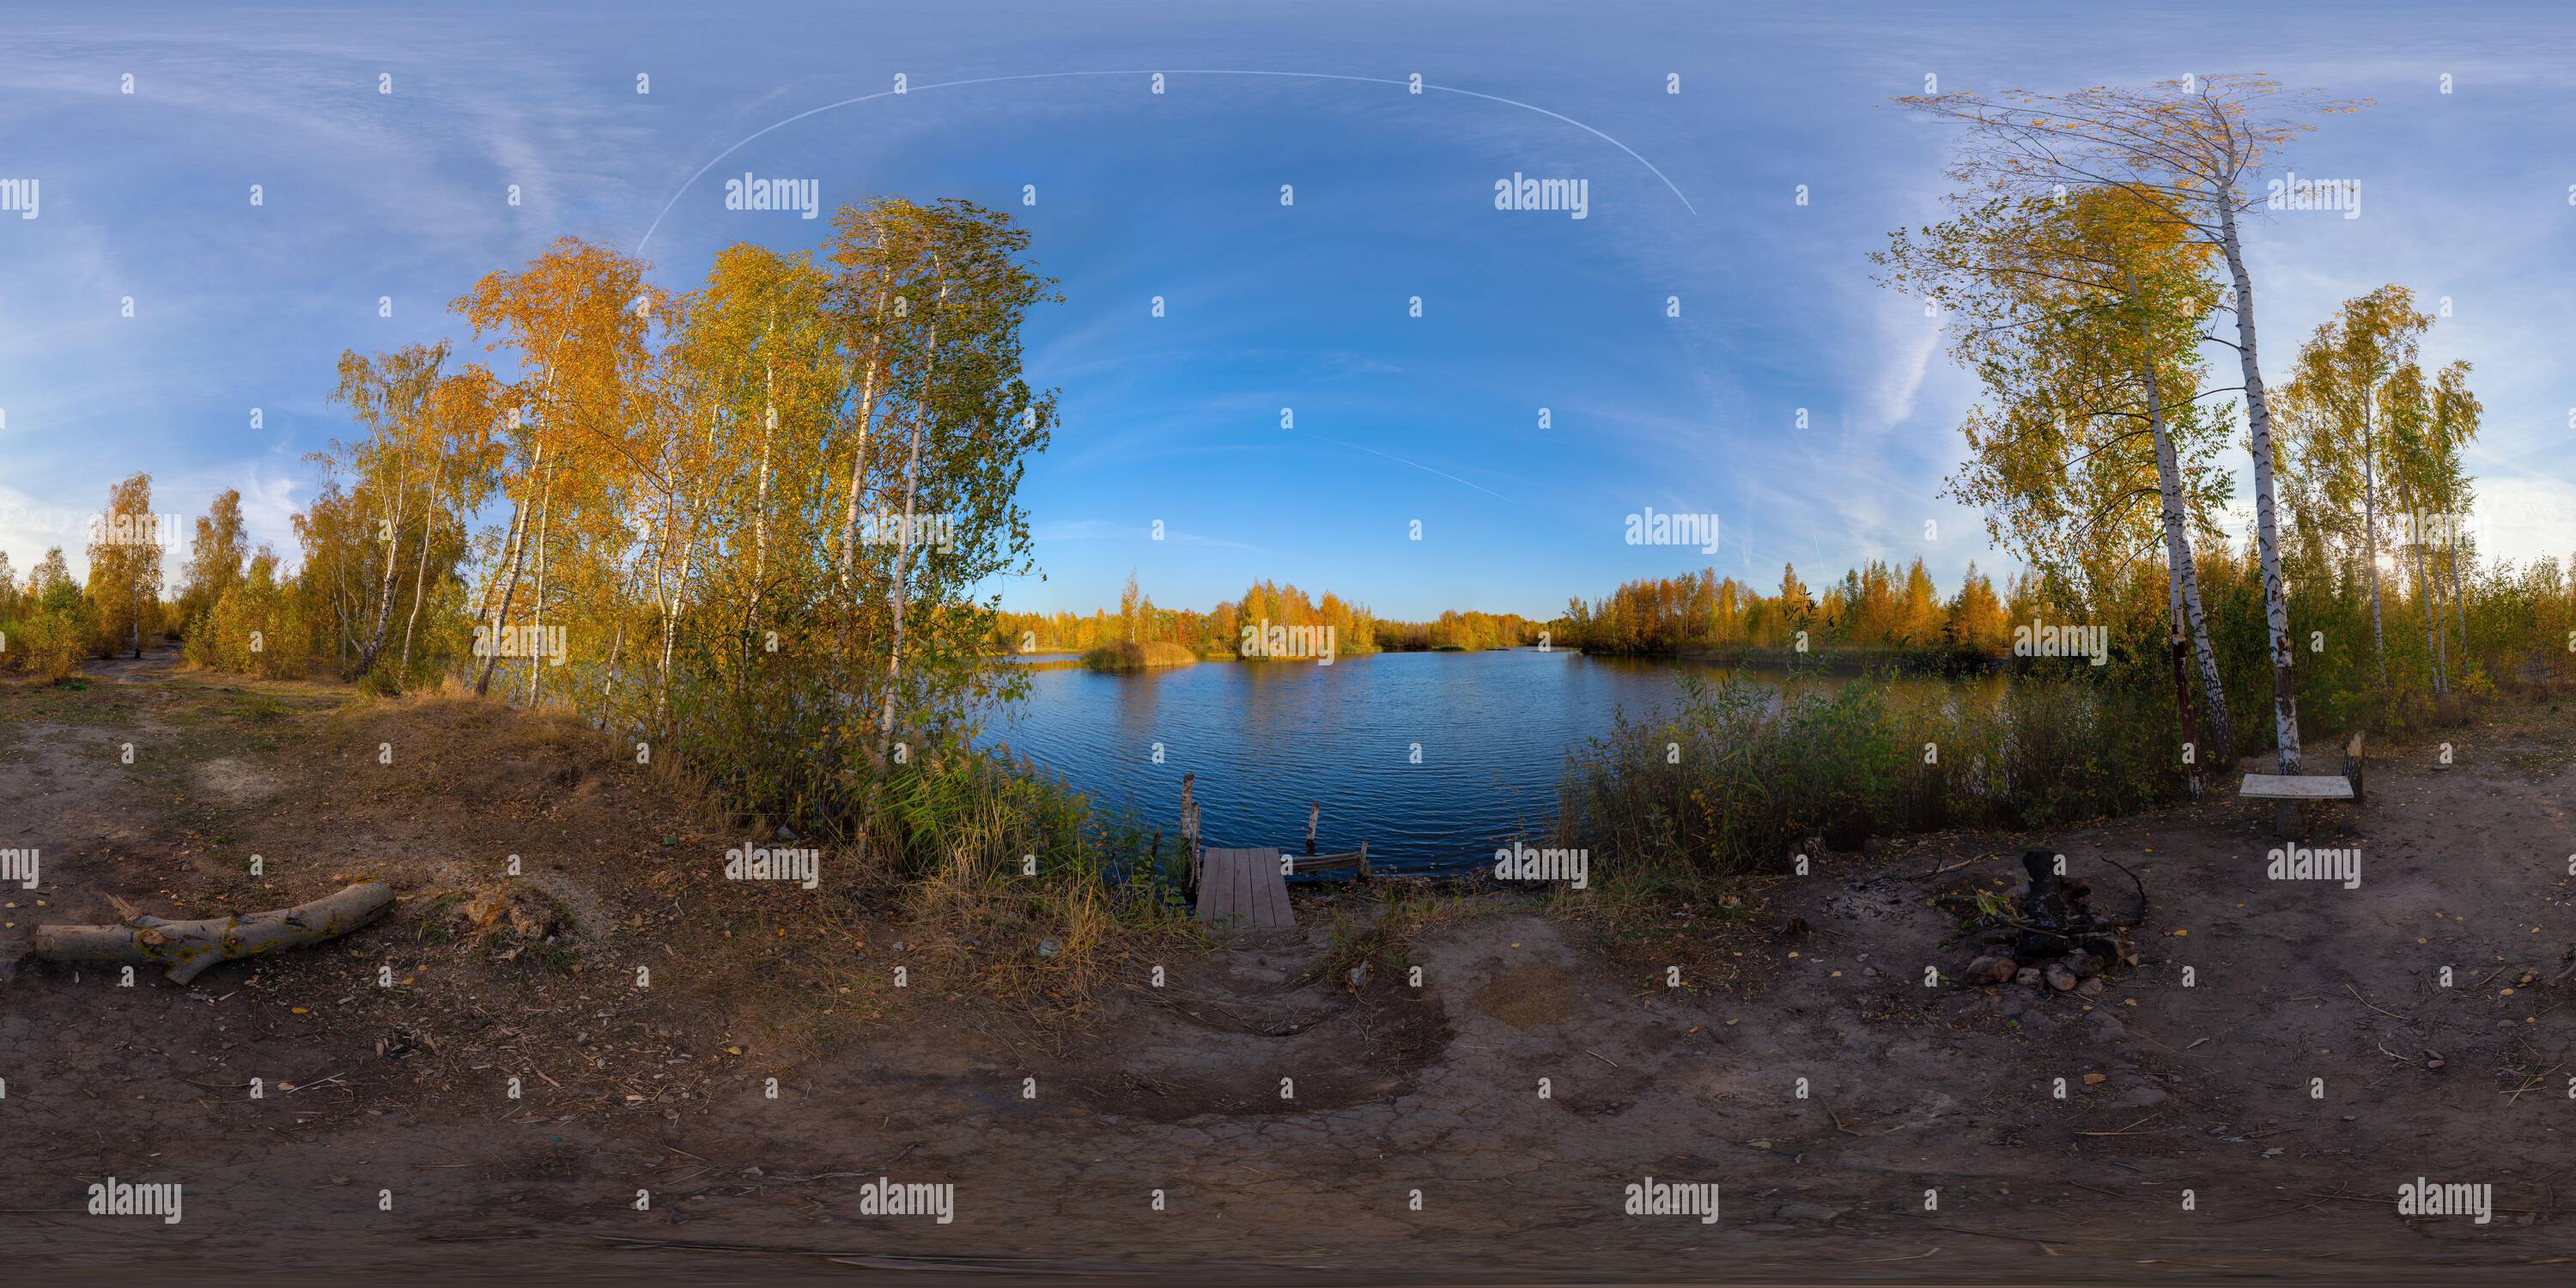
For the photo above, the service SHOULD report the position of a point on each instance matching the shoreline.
(1414, 1019)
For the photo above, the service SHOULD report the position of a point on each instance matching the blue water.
(1266, 738)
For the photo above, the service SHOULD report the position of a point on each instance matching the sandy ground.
(1254, 1120)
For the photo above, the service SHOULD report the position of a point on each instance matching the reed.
(1728, 783)
(1130, 655)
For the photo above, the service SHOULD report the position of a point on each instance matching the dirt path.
(1255, 1118)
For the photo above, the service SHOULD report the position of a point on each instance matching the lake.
(1266, 738)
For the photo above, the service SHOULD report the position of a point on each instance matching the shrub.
(1127, 655)
(1725, 784)
(48, 645)
(960, 832)
(253, 630)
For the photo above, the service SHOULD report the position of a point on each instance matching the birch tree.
(215, 558)
(2336, 425)
(2365, 427)
(2428, 420)
(457, 442)
(2082, 318)
(390, 394)
(954, 288)
(124, 566)
(2187, 151)
(576, 320)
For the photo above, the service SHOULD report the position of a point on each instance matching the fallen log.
(187, 948)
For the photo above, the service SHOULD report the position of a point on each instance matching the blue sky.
(2466, 195)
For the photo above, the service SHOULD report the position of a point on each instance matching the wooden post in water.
(1190, 827)
(1314, 812)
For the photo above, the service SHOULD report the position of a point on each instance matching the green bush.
(252, 630)
(1727, 783)
(1127, 655)
(47, 645)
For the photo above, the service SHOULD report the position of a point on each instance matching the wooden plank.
(1218, 888)
(1227, 895)
(2297, 787)
(1347, 859)
(1247, 888)
(1242, 890)
(1261, 872)
(1273, 914)
(1247, 896)
(1208, 896)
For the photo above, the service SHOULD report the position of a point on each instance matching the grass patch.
(435, 925)
(1009, 876)
(1380, 932)
(1127, 655)
(1685, 806)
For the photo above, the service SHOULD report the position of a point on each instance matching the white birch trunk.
(2267, 535)
(2183, 576)
(924, 407)
(510, 588)
(2370, 522)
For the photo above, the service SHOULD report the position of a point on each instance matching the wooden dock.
(1243, 890)
(1247, 889)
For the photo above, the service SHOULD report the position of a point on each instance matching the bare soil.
(1258, 1117)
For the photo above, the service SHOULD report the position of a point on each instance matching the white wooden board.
(2297, 787)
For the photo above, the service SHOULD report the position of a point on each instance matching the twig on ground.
(1864, 1261)
(2121, 1132)
(2381, 1009)
(1990, 1234)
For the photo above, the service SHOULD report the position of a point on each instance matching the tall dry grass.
(1014, 874)
(1726, 784)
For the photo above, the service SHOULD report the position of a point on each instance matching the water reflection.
(1433, 758)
